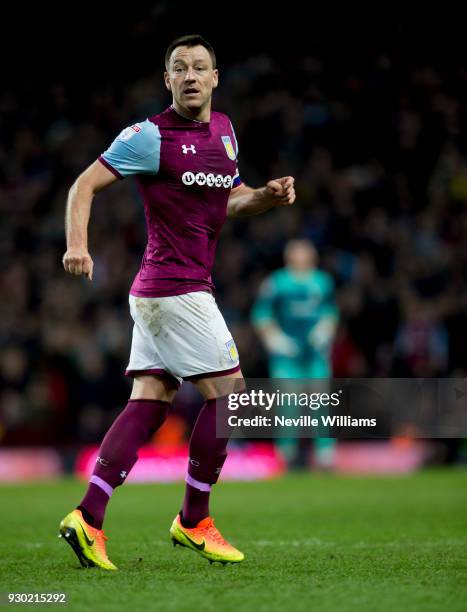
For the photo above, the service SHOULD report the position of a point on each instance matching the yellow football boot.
(206, 540)
(87, 542)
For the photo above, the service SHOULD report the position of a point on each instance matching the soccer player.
(185, 164)
(296, 317)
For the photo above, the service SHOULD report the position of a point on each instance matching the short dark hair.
(190, 40)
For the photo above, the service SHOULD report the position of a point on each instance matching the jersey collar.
(200, 123)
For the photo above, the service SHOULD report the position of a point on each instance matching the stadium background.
(372, 126)
(368, 112)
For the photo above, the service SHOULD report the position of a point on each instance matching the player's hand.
(281, 191)
(320, 337)
(279, 343)
(78, 261)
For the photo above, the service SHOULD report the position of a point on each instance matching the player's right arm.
(78, 209)
(136, 150)
(275, 340)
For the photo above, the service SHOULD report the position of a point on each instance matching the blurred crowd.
(380, 161)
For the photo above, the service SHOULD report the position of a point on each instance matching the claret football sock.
(94, 504)
(195, 506)
(119, 452)
(207, 456)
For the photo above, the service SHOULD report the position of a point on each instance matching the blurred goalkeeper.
(296, 317)
(185, 164)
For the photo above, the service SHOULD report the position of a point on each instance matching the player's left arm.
(322, 334)
(245, 201)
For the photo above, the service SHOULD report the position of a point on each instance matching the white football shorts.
(184, 336)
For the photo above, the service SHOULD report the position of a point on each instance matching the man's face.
(191, 77)
(300, 255)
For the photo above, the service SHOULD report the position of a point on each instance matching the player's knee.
(154, 387)
(220, 386)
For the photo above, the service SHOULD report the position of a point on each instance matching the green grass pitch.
(311, 543)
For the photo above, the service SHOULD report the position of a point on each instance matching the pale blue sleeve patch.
(136, 150)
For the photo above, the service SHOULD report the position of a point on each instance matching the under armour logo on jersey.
(123, 474)
(190, 148)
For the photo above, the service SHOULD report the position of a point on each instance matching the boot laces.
(215, 534)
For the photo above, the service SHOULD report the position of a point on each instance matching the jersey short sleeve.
(236, 179)
(136, 150)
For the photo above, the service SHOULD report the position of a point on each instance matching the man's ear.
(215, 78)
(167, 81)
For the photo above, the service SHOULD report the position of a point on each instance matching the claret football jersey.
(185, 170)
